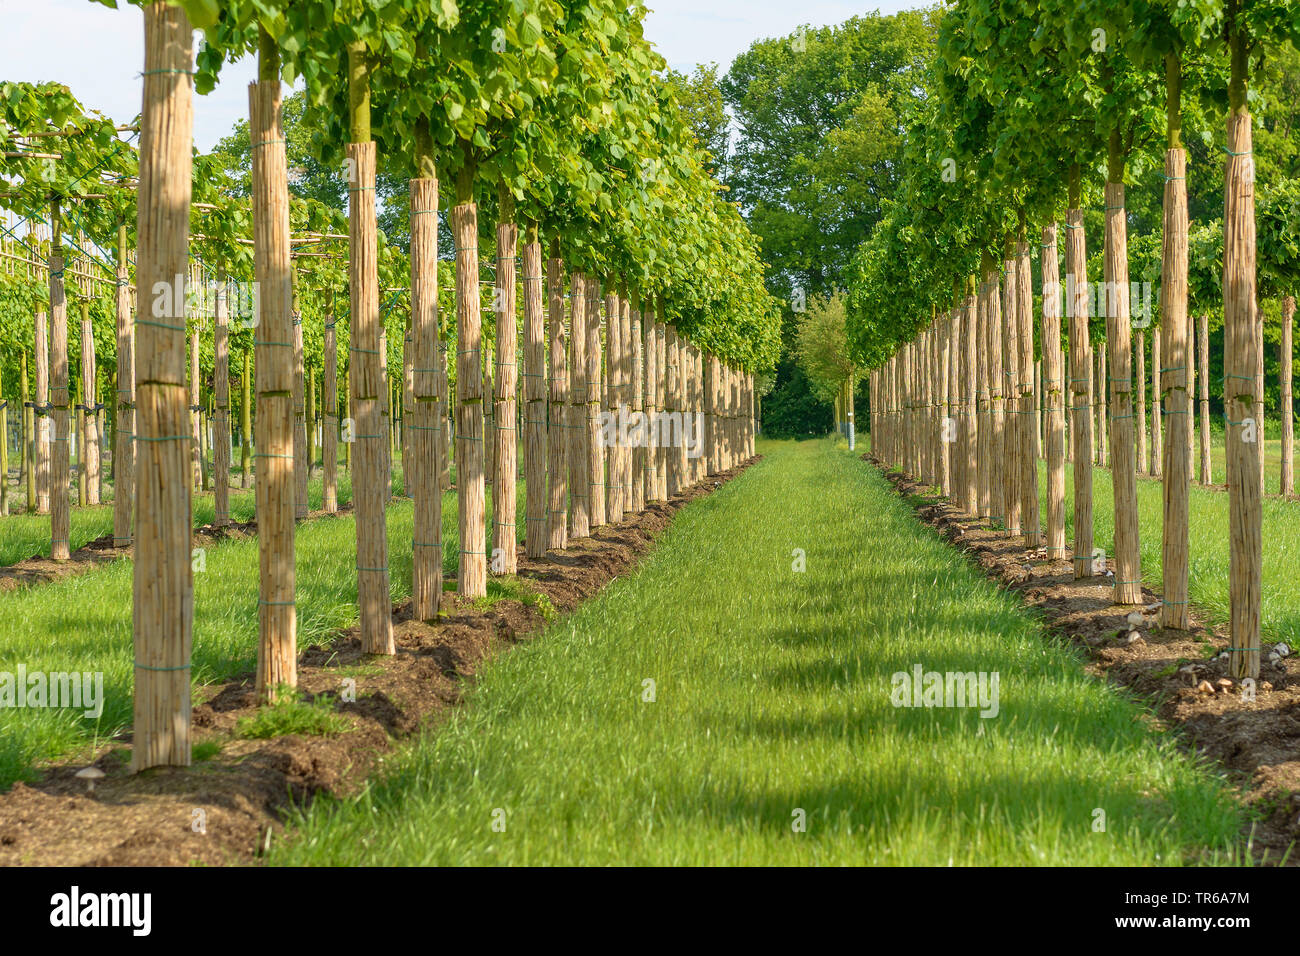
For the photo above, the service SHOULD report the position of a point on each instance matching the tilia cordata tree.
(1128, 115)
(1167, 38)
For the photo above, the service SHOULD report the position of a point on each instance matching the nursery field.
(772, 705)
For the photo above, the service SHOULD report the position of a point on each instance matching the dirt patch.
(1182, 674)
(227, 808)
(42, 570)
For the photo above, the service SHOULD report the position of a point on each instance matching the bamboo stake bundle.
(311, 418)
(29, 426)
(925, 389)
(163, 598)
(196, 428)
(969, 390)
(1203, 363)
(277, 654)
(1175, 390)
(1012, 419)
(1076, 305)
(1140, 401)
(651, 451)
(625, 347)
(557, 448)
(676, 450)
(506, 383)
(1259, 397)
(246, 423)
(984, 411)
(956, 410)
(1038, 408)
(636, 454)
(1053, 390)
(445, 423)
(737, 416)
(1101, 380)
(663, 450)
(1128, 570)
(330, 421)
(367, 368)
(623, 364)
(221, 420)
(408, 399)
(575, 431)
(942, 409)
(1242, 333)
(60, 505)
(699, 371)
(489, 423)
(998, 498)
(1287, 484)
(385, 416)
(90, 407)
(4, 454)
(1028, 457)
(472, 580)
(1157, 414)
(595, 464)
(613, 346)
(422, 467)
(535, 527)
(902, 383)
(711, 393)
(44, 418)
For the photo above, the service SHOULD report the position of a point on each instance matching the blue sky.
(98, 52)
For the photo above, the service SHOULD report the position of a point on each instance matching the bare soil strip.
(1179, 673)
(225, 810)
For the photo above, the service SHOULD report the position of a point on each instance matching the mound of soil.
(1182, 674)
(226, 809)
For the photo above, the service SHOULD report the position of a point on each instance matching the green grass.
(28, 535)
(772, 696)
(83, 623)
(314, 718)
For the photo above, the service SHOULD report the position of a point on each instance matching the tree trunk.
(246, 423)
(1287, 410)
(277, 654)
(1076, 304)
(221, 420)
(506, 459)
(124, 448)
(1203, 386)
(330, 421)
(1242, 334)
(576, 412)
(535, 529)
(60, 505)
(1157, 412)
(557, 448)
(1053, 392)
(163, 599)
(423, 467)
(44, 418)
(1174, 387)
(90, 407)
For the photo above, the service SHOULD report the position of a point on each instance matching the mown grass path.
(772, 695)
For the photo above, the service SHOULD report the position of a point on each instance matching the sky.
(98, 52)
